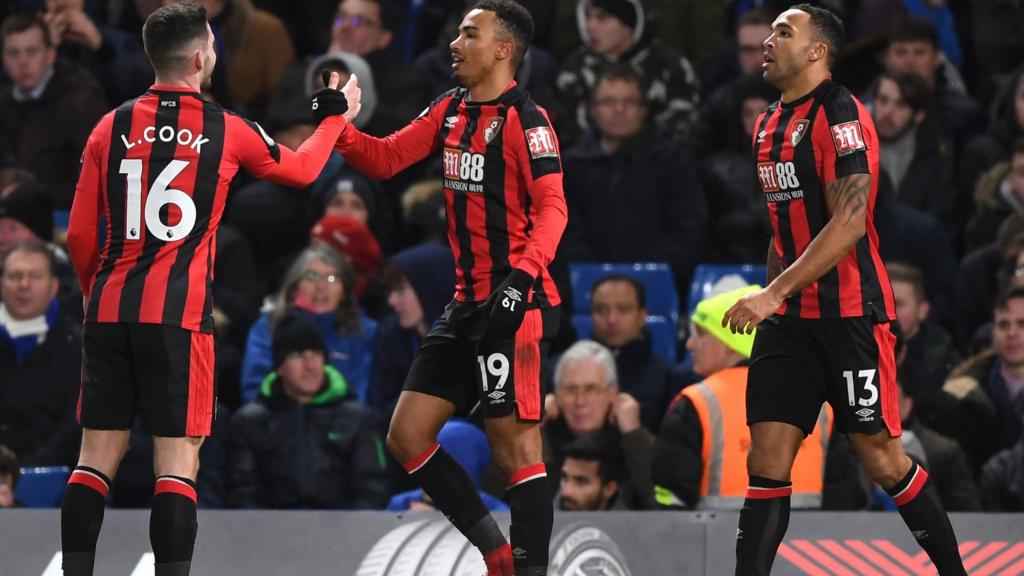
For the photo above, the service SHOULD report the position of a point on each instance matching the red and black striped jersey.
(502, 183)
(157, 170)
(801, 147)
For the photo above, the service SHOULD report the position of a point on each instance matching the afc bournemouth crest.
(492, 129)
(798, 132)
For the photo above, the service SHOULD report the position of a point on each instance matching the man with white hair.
(590, 404)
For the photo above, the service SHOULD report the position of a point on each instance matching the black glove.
(328, 101)
(506, 307)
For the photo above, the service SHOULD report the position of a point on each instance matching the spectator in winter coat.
(306, 442)
(422, 281)
(1005, 126)
(48, 111)
(617, 31)
(625, 180)
(619, 311)
(318, 285)
(930, 351)
(946, 462)
(40, 361)
(913, 155)
(999, 193)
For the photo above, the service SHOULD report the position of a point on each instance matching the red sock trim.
(907, 495)
(531, 472)
(169, 485)
(89, 480)
(759, 493)
(494, 556)
(416, 463)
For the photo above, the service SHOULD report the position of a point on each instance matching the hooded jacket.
(327, 454)
(430, 269)
(671, 82)
(994, 201)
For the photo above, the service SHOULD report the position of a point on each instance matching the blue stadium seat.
(663, 333)
(42, 487)
(662, 298)
(705, 276)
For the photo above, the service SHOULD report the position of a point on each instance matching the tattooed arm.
(848, 201)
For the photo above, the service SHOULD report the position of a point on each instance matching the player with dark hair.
(506, 212)
(824, 323)
(157, 169)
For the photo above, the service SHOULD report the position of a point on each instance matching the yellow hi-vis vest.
(720, 402)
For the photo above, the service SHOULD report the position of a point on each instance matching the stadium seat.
(706, 275)
(662, 330)
(42, 487)
(662, 298)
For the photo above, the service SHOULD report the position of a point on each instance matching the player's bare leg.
(172, 520)
(919, 503)
(412, 438)
(518, 451)
(85, 497)
(765, 514)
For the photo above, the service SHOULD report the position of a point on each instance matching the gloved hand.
(328, 101)
(506, 307)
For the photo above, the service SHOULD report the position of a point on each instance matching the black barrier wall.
(619, 543)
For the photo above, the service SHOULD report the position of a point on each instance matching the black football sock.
(451, 488)
(173, 525)
(529, 498)
(763, 522)
(923, 513)
(81, 516)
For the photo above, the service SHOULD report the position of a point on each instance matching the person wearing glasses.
(318, 285)
(591, 405)
(366, 28)
(626, 179)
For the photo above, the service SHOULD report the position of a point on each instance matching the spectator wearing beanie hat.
(353, 239)
(318, 285)
(26, 215)
(617, 31)
(306, 442)
(681, 466)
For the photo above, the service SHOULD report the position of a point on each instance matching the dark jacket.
(930, 356)
(963, 410)
(978, 280)
(327, 454)
(908, 235)
(994, 201)
(430, 269)
(47, 136)
(39, 393)
(1002, 481)
(645, 376)
(928, 184)
(647, 192)
(635, 491)
(946, 464)
(983, 152)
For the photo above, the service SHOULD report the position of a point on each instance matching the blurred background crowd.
(322, 295)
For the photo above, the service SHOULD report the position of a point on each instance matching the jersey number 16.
(159, 196)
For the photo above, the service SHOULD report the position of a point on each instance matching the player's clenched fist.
(506, 307)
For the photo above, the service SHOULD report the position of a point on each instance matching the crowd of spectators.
(322, 295)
